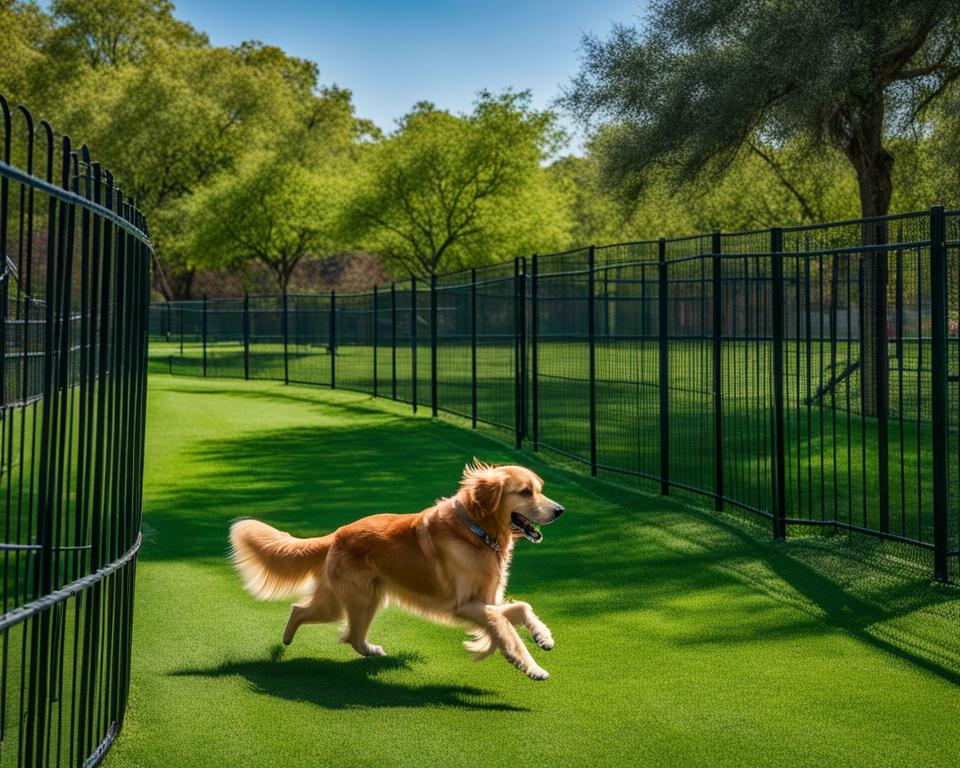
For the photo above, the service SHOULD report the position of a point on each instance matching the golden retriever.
(449, 563)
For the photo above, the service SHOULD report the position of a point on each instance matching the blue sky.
(393, 54)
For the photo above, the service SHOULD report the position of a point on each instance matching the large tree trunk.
(875, 189)
(864, 148)
(875, 201)
(181, 284)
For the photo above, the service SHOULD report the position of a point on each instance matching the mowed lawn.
(683, 637)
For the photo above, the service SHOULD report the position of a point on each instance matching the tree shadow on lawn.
(334, 684)
(614, 552)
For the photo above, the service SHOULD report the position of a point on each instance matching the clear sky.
(393, 54)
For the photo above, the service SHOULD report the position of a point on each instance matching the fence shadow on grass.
(879, 603)
(615, 551)
(336, 684)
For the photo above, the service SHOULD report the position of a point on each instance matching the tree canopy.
(283, 202)
(445, 191)
(702, 79)
(710, 114)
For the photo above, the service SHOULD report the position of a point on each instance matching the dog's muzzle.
(528, 528)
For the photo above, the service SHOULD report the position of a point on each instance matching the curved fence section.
(74, 292)
(808, 375)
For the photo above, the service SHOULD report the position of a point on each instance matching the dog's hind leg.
(490, 619)
(520, 613)
(360, 613)
(320, 608)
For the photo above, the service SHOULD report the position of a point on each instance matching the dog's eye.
(526, 492)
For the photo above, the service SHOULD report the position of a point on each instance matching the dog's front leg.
(518, 613)
(491, 619)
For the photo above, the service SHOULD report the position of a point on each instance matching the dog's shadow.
(334, 684)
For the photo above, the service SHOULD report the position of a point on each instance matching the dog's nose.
(557, 512)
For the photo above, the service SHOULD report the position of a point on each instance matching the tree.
(447, 191)
(170, 124)
(108, 33)
(23, 29)
(706, 78)
(790, 184)
(274, 213)
(282, 202)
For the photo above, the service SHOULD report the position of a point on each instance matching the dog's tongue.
(530, 533)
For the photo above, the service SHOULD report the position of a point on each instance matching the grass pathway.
(682, 639)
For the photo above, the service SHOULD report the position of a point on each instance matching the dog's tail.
(273, 563)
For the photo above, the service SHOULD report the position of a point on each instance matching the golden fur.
(429, 563)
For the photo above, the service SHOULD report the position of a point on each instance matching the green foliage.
(23, 28)
(764, 187)
(274, 213)
(282, 200)
(109, 33)
(447, 191)
(241, 155)
(704, 78)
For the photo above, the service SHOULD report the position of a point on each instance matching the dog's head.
(507, 499)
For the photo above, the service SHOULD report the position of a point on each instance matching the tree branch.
(782, 178)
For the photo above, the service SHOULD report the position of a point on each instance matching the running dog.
(448, 563)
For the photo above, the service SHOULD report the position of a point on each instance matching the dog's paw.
(537, 673)
(544, 640)
(373, 650)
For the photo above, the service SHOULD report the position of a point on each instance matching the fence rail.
(74, 294)
(808, 375)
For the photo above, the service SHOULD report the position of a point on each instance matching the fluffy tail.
(273, 563)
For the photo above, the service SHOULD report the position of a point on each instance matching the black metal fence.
(808, 375)
(74, 292)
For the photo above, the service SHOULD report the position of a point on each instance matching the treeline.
(257, 176)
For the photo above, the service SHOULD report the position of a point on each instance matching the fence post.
(413, 340)
(517, 433)
(534, 362)
(778, 461)
(286, 339)
(246, 336)
(717, 372)
(662, 318)
(5, 282)
(473, 347)
(393, 340)
(879, 289)
(592, 335)
(938, 311)
(376, 318)
(332, 330)
(606, 303)
(433, 344)
(520, 368)
(203, 337)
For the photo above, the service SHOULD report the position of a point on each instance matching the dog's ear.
(487, 492)
(483, 489)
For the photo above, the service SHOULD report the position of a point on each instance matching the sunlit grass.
(683, 639)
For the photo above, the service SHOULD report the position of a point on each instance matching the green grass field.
(832, 456)
(683, 638)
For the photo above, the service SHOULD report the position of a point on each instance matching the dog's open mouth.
(528, 529)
